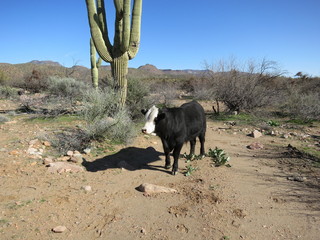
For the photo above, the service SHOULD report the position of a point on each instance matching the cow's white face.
(150, 115)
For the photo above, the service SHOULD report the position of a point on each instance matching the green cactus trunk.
(119, 68)
(126, 38)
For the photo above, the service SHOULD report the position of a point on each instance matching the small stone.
(14, 153)
(256, 134)
(285, 136)
(255, 146)
(143, 231)
(60, 167)
(87, 150)
(59, 229)
(47, 161)
(70, 153)
(151, 188)
(46, 143)
(87, 188)
(63, 158)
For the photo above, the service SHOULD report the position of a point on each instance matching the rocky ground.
(270, 191)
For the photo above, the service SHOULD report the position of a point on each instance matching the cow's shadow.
(130, 158)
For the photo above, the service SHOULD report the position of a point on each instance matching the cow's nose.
(144, 130)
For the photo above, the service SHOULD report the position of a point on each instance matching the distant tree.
(242, 86)
(301, 75)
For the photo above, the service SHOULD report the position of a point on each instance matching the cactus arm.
(99, 62)
(97, 34)
(126, 26)
(94, 65)
(103, 23)
(135, 29)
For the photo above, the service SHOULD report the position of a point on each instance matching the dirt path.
(251, 200)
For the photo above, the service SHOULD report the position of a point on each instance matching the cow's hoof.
(167, 166)
(174, 173)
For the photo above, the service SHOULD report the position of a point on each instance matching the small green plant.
(273, 123)
(190, 170)
(191, 157)
(219, 157)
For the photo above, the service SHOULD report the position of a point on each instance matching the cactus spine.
(94, 65)
(126, 38)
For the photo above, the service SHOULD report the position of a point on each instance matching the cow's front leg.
(176, 154)
(167, 151)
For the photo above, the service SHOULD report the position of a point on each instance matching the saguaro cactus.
(126, 38)
(94, 65)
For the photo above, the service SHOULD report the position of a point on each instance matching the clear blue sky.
(176, 34)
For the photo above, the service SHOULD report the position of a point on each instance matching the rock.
(256, 134)
(297, 178)
(59, 229)
(76, 158)
(46, 143)
(125, 165)
(87, 188)
(63, 158)
(87, 150)
(70, 153)
(14, 153)
(47, 161)
(255, 146)
(286, 136)
(60, 167)
(151, 188)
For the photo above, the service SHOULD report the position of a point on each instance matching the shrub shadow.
(130, 158)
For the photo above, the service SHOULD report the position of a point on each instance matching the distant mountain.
(50, 63)
(18, 72)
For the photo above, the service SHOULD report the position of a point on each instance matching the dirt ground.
(255, 198)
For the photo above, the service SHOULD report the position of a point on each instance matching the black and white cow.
(175, 126)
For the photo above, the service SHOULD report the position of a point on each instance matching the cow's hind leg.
(192, 146)
(176, 154)
(202, 140)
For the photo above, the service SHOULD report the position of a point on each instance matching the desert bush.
(4, 119)
(243, 86)
(305, 106)
(8, 92)
(67, 140)
(67, 87)
(105, 118)
(35, 82)
(138, 97)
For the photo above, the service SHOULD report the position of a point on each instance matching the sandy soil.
(253, 199)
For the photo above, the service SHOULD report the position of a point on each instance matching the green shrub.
(67, 87)
(8, 92)
(304, 106)
(138, 97)
(4, 119)
(105, 118)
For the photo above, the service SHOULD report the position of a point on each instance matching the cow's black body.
(175, 126)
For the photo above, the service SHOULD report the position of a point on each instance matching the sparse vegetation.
(219, 157)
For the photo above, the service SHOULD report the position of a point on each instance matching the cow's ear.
(144, 111)
(160, 117)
